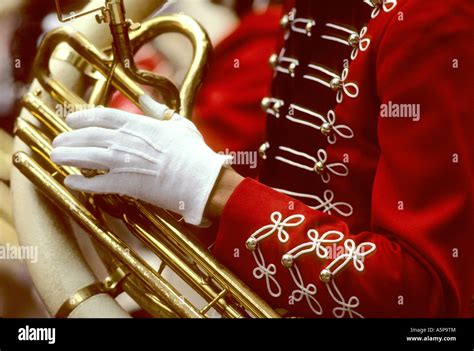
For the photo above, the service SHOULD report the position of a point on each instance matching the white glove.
(165, 163)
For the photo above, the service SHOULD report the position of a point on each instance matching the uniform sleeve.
(414, 259)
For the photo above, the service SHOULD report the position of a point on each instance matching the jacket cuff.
(249, 204)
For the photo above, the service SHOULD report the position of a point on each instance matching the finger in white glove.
(166, 163)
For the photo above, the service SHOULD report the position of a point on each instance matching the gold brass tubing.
(183, 254)
(65, 54)
(122, 49)
(123, 53)
(58, 91)
(33, 138)
(110, 285)
(201, 45)
(132, 285)
(98, 93)
(148, 301)
(88, 52)
(182, 269)
(213, 302)
(62, 198)
(40, 144)
(101, 62)
(91, 54)
(250, 301)
(44, 114)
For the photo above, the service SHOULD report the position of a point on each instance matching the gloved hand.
(163, 162)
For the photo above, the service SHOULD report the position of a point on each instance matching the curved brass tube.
(201, 45)
(66, 201)
(157, 228)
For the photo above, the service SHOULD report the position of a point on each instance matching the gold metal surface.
(65, 16)
(109, 285)
(156, 228)
(201, 44)
(62, 198)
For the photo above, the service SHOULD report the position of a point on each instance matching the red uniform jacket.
(227, 110)
(367, 208)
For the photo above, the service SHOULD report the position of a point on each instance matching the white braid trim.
(278, 226)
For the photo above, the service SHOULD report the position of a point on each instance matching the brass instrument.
(159, 230)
